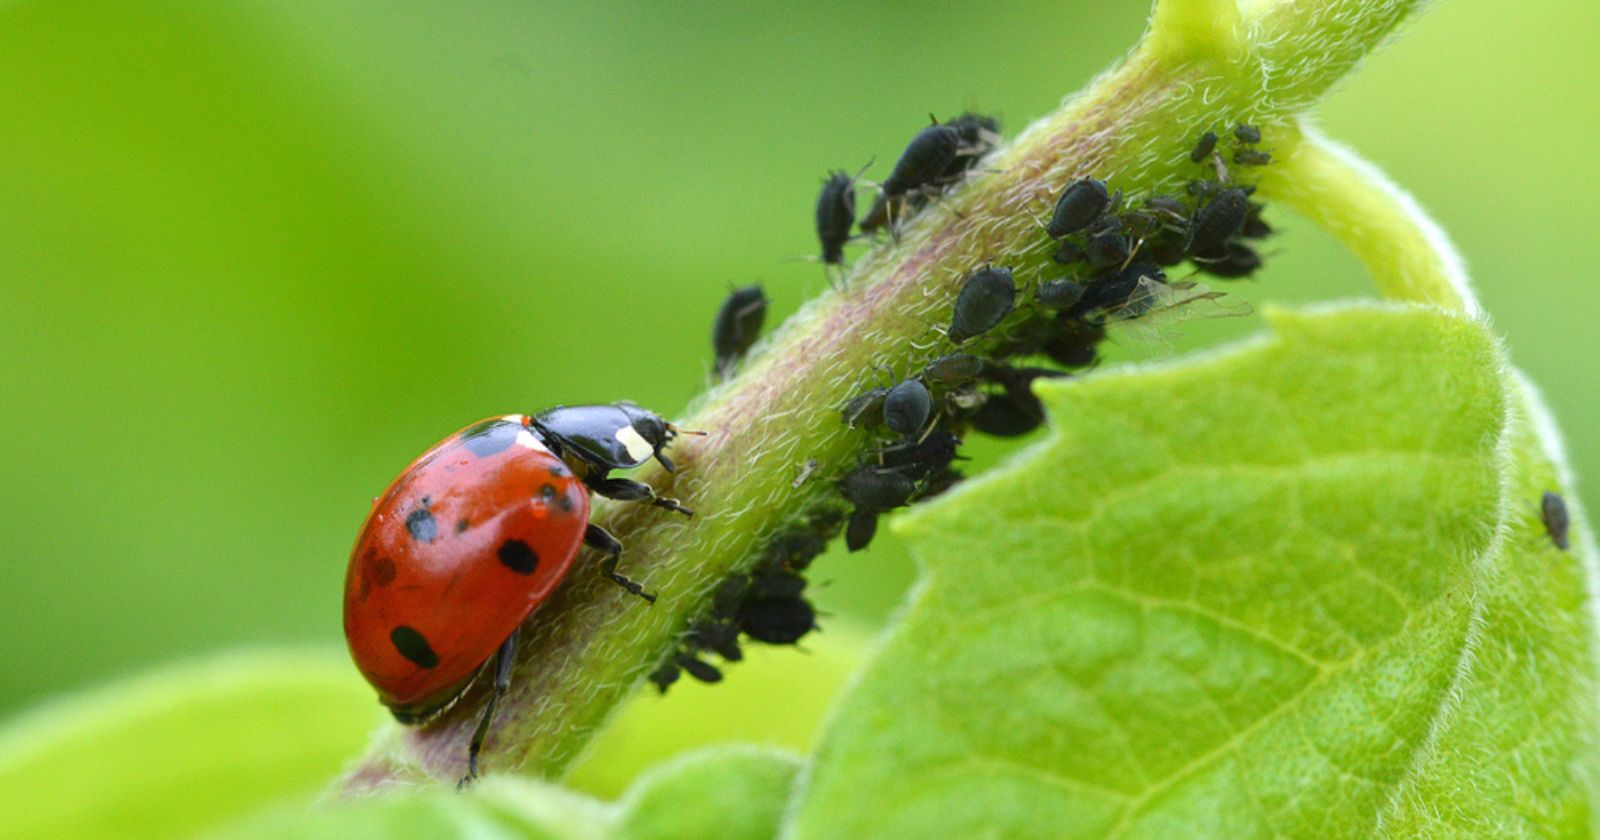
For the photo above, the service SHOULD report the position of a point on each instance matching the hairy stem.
(585, 650)
(1407, 254)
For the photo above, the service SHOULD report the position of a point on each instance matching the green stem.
(1303, 46)
(1407, 254)
(585, 650)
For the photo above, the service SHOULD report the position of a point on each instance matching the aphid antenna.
(856, 178)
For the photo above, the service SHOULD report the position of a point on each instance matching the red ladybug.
(474, 536)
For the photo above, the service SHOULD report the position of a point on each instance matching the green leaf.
(183, 748)
(1299, 588)
(497, 807)
(730, 793)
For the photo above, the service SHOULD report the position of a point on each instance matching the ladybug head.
(655, 430)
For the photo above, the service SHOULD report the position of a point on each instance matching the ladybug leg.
(502, 681)
(597, 537)
(624, 490)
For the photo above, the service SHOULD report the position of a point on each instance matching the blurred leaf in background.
(255, 256)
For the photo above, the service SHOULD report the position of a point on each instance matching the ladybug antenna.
(677, 431)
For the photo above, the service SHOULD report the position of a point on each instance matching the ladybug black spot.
(414, 646)
(462, 525)
(382, 572)
(547, 492)
(558, 471)
(518, 556)
(490, 436)
(565, 503)
(422, 526)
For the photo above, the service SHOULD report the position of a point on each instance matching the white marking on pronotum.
(638, 448)
(527, 440)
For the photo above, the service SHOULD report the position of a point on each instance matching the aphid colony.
(1113, 253)
(479, 531)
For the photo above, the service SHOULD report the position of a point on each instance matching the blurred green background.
(256, 256)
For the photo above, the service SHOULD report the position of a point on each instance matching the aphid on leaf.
(1553, 510)
(1252, 157)
(1203, 149)
(1247, 133)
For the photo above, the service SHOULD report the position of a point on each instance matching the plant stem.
(1407, 254)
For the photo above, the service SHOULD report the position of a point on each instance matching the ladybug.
(474, 536)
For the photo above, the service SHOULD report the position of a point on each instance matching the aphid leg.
(502, 682)
(599, 538)
(936, 195)
(624, 490)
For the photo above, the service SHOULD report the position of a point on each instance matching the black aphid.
(985, 299)
(907, 406)
(700, 670)
(863, 525)
(1079, 205)
(1059, 295)
(1166, 205)
(1247, 133)
(1255, 227)
(1068, 253)
(1553, 510)
(1107, 249)
(878, 214)
(1006, 415)
(979, 135)
(1126, 294)
(1074, 344)
(665, 676)
(719, 637)
(777, 621)
(795, 551)
(1252, 157)
(1219, 219)
(924, 160)
(954, 369)
(738, 325)
(728, 595)
(1237, 260)
(921, 459)
(877, 488)
(836, 213)
(1203, 149)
